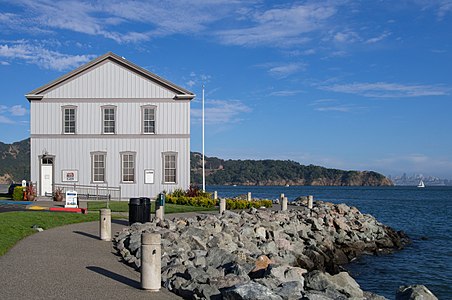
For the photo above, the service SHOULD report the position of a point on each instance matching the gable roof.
(180, 92)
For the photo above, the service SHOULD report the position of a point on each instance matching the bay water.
(423, 213)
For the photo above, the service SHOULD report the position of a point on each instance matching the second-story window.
(109, 120)
(148, 119)
(69, 120)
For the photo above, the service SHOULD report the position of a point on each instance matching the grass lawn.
(123, 206)
(15, 226)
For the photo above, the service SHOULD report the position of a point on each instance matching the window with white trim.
(109, 120)
(128, 167)
(169, 167)
(148, 115)
(69, 120)
(98, 166)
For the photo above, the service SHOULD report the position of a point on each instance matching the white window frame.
(93, 166)
(143, 119)
(167, 167)
(67, 109)
(126, 170)
(104, 126)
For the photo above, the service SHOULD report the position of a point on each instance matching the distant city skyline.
(342, 84)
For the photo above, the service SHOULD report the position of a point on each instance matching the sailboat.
(421, 184)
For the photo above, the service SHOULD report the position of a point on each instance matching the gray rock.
(341, 282)
(290, 290)
(206, 253)
(288, 273)
(414, 292)
(249, 291)
(229, 280)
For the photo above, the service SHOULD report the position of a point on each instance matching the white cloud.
(5, 120)
(18, 110)
(191, 83)
(327, 105)
(346, 37)
(285, 69)
(388, 90)
(378, 38)
(415, 162)
(281, 27)
(4, 63)
(285, 93)
(44, 58)
(442, 7)
(111, 18)
(221, 112)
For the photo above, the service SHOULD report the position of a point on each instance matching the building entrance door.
(46, 175)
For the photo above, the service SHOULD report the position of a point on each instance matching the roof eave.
(34, 97)
(176, 89)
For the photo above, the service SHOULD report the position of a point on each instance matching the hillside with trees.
(14, 161)
(278, 172)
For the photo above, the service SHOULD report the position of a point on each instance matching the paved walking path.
(70, 262)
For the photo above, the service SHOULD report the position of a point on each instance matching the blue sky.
(362, 85)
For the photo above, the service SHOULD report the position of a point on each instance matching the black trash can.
(160, 201)
(146, 209)
(135, 211)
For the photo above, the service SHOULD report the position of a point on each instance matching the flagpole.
(203, 161)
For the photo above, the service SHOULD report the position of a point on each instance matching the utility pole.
(203, 161)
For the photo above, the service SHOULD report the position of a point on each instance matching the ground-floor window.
(169, 167)
(128, 167)
(98, 166)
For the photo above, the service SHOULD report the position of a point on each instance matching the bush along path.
(262, 254)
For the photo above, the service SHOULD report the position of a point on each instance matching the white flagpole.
(203, 162)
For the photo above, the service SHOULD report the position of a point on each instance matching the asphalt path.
(6, 206)
(70, 262)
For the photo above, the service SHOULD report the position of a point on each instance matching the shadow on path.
(117, 277)
(87, 234)
(120, 222)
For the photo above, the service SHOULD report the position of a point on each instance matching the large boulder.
(249, 291)
(414, 292)
(342, 282)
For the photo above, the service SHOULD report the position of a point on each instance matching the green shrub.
(18, 194)
(244, 204)
(191, 201)
(178, 192)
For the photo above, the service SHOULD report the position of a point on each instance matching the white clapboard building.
(110, 123)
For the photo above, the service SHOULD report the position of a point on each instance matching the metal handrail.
(91, 192)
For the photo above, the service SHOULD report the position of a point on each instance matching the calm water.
(422, 213)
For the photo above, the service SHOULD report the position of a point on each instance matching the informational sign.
(148, 176)
(71, 199)
(70, 176)
(24, 183)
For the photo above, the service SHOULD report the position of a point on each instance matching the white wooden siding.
(75, 154)
(109, 80)
(172, 117)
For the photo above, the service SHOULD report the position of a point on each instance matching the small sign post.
(71, 199)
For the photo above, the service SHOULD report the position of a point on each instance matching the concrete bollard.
(281, 197)
(160, 213)
(222, 205)
(284, 204)
(248, 197)
(105, 224)
(151, 254)
(310, 201)
(215, 195)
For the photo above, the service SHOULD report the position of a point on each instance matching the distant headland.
(278, 172)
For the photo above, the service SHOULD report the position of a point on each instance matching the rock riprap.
(264, 254)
